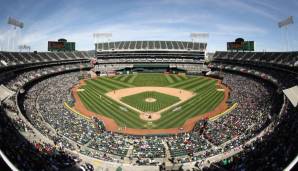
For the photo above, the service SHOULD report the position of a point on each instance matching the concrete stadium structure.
(183, 55)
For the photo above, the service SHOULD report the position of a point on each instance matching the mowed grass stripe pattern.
(99, 103)
(169, 78)
(189, 110)
(151, 79)
(207, 98)
(138, 101)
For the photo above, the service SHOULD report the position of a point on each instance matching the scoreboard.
(61, 45)
(55, 45)
(241, 45)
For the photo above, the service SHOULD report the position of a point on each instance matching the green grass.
(205, 100)
(150, 80)
(138, 101)
(107, 107)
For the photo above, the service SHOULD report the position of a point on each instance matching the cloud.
(150, 20)
(256, 10)
(134, 25)
(249, 7)
(51, 27)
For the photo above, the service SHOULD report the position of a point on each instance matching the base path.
(183, 95)
(111, 125)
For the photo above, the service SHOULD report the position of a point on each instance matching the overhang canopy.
(292, 95)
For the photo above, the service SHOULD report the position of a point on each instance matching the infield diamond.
(140, 101)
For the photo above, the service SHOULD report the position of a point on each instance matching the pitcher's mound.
(150, 100)
(150, 116)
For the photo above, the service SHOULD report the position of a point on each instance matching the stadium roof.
(292, 94)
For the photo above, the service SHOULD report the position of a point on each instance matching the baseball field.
(150, 100)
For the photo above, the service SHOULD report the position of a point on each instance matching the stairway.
(129, 154)
(167, 155)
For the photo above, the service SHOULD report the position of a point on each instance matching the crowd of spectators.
(254, 104)
(284, 59)
(274, 150)
(108, 142)
(30, 155)
(24, 77)
(25, 149)
(52, 118)
(20, 58)
(149, 147)
(43, 106)
(54, 112)
(278, 146)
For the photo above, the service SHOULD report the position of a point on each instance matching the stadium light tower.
(24, 47)
(284, 24)
(200, 37)
(13, 34)
(2, 40)
(101, 37)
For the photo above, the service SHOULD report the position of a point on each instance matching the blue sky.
(224, 20)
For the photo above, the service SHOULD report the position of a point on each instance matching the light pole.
(12, 37)
(101, 38)
(284, 24)
(201, 38)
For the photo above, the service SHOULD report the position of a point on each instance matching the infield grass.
(161, 101)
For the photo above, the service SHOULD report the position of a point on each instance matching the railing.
(7, 161)
(292, 164)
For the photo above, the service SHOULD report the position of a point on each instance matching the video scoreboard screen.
(241, 45)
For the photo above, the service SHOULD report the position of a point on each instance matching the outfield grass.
(206, 99)
(138, 101)
(150, 79)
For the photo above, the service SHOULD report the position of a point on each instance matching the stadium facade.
(170, 55)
